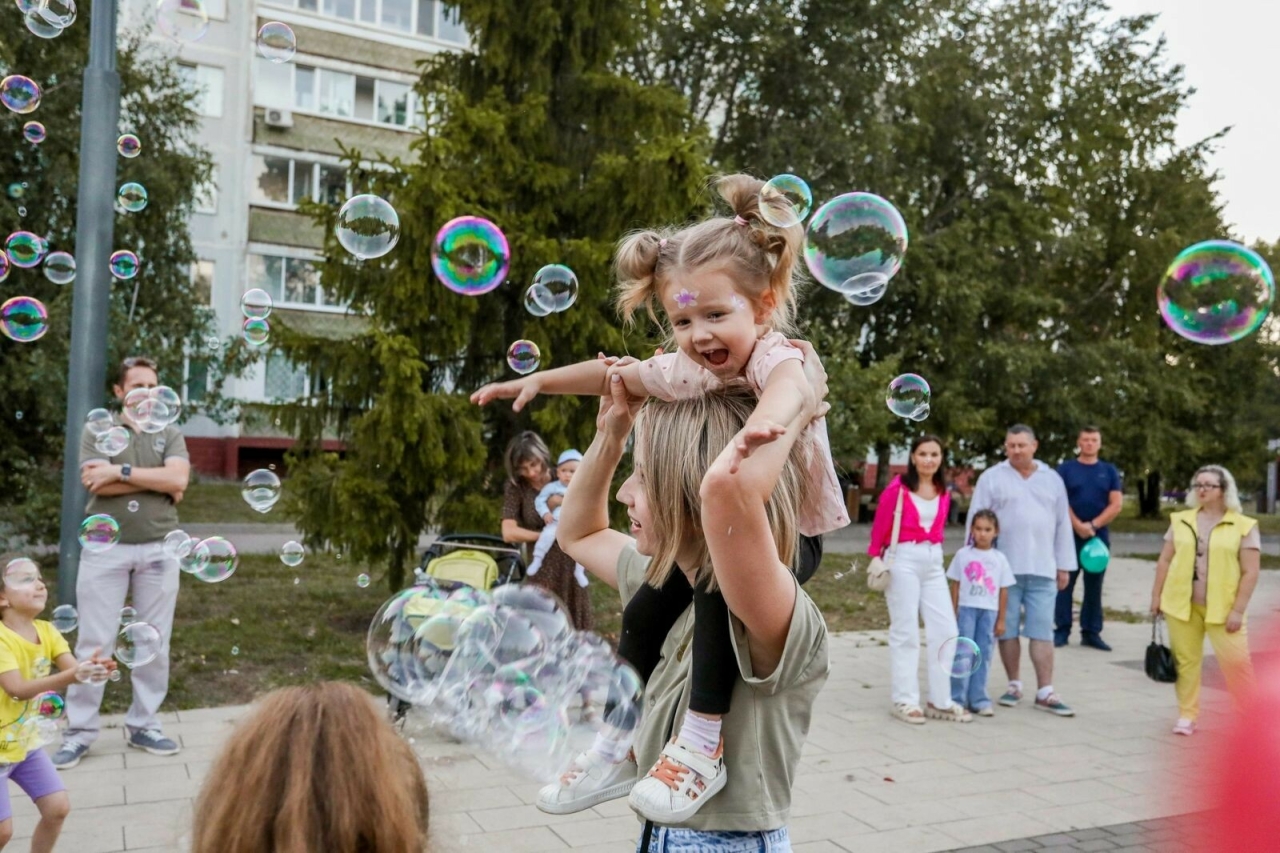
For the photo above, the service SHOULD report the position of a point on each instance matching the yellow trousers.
(1186, 639)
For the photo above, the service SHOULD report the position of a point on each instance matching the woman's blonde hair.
(1230, 492)
(313, 768)
(760, 258)
(676, 442)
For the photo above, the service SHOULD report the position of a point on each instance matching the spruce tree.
(536, 131)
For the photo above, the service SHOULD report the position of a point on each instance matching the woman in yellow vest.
(1204, 579)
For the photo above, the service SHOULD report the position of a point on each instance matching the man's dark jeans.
(1090, 608)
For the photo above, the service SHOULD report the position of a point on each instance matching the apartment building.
(273, 131)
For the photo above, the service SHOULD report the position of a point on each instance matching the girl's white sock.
(700, 733)
(611, 749)
(1044, 692)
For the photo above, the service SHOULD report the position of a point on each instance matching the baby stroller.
(479, 560)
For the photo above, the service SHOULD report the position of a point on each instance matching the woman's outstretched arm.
(584, 533)
(757, 586)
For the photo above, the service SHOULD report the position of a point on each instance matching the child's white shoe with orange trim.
(590, 780)
(678, 784)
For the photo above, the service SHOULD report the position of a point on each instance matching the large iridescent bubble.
(908, 397)
(23, 319)
(855, 242)
(368, 227)
(1216, 292)
(19, 94)
(470, 255)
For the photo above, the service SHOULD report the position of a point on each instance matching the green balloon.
(1094, 556)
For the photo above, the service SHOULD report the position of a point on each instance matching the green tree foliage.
(535, 131)
(1030, 147)
(156, 314)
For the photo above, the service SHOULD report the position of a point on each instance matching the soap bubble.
(40, 26)
(4, 266)
(855, 242)
(137, 644)
(261, 490)
(132, 197)
(216, 560)
(1216, 292)
(23, 319)
(470, 255)
(128, 614)
(406, 660)
(177, 544)
(60, 268)
(133, 506)
(256, 304)
(959, 657)
(256, 331)
(368, 227)
(908, 397)
(65, 618)
(292, 553)
(60, 13)
(276, 42)
(114, 676)
(19, 94)
(785, 201)
(25, 249)
(128, 146)
(16, 190)
(182, 20)
(33, 132)
(99, 533)
(170, 399)
(98, 421)
(555, 287)
(524, 356)
(362, 580)
(539, 606)
(124, 264)
(534, 299)
(112, 442)
(48, 706)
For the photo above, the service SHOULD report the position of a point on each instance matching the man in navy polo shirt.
(1095, 495)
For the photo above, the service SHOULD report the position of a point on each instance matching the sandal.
(952, 714)
(908, 714)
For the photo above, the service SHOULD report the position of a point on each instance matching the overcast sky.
(1228, 50)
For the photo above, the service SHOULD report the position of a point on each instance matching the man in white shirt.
(1030, 500)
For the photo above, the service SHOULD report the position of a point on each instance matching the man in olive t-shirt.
(140, 488)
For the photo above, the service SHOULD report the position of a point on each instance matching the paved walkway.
(866, 782)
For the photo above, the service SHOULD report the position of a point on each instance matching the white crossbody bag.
(878, 570)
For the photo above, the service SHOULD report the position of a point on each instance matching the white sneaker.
(589, 781)
(678, 784)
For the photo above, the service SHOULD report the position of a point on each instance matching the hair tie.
(662, 244)
(739, 220)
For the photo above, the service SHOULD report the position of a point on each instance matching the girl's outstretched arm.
(586, 378)
(784, 396)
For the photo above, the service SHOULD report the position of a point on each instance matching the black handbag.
(1160, 664)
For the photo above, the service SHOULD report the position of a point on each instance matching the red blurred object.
(1244, 814)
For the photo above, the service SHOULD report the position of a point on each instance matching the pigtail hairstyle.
(636, 266)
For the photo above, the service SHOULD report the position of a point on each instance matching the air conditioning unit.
(279, 118)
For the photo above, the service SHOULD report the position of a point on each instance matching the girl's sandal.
(952, 714)
(908, 714)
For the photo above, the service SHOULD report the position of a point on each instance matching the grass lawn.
(210, 501)
(1269, 561)
(1128, 521)
(259, 630)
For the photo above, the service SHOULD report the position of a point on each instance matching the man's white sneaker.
(678, 784)
(589, 781)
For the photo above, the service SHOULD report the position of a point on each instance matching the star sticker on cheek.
(684, 298)
(738, 302)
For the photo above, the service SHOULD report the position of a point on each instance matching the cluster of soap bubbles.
(211, 560)
(23, 319)
(504, 672)
(261, 490)
(47, 18)
(554, 289)
(37, 724)
(151, 409)
(959, 657)
(908, 397)
(1216, 292)
(108, 438)
(256, 306)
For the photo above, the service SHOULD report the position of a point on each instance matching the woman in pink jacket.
(918, 583)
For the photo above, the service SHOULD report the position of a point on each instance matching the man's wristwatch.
(126, 471)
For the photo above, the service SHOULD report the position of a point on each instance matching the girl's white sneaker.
(678, 784)
(589, 781)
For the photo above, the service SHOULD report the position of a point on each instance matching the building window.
(202, 280)
(281, 181)
(424, 17)
(283, 380)
(206, 194)
(449, 26)
(206, 82)
(393, 103)
(293, 282)
(337, 94)
(396, 15)
(196, 379)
